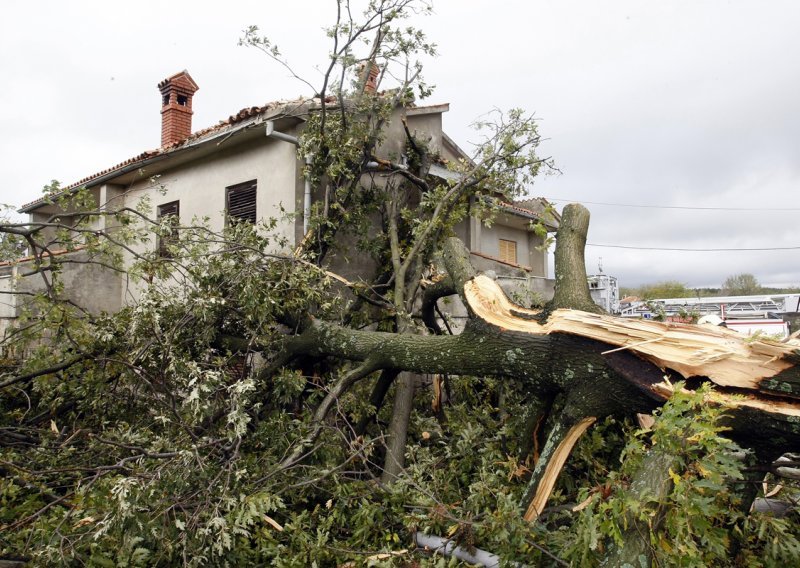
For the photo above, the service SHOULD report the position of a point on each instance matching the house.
(248, 167)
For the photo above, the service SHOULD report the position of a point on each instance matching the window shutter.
(508, 251)
(171, 210)
(242, 202)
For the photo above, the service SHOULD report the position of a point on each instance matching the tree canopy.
(664, 289)
(744, 284)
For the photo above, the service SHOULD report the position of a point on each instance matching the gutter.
(307, 159)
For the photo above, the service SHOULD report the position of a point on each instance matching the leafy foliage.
(688, 509)
(178, 432)
(741, 285)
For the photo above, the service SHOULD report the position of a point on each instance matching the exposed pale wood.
(645, 420)
(554, 466)
(738, 400)
(724, 356)
(631, 346)
(436, 401)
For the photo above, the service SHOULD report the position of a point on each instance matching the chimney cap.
(181, 80)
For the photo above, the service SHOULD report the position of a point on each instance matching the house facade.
(247, 166)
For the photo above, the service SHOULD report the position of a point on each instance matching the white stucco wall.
(8, 300)
(200, 188)
(490, 241)
(200, 185)
(427, 127)
(486, 240)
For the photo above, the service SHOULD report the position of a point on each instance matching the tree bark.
(398, 427)
(560, 441)
(376, 400)
(536, 411)
(571, 290)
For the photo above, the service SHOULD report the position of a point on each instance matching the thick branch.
(430, 296)
(47, 371)
(602, 364)
(572, 291)
(338, 389)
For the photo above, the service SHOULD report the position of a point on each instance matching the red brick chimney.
(176, 107)
(371, 82)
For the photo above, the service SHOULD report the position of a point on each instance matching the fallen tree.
(253, 407)
(577, 365)
(600, 364)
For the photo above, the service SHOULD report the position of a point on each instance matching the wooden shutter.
(241, 202)
(508, 251)
(171, 210)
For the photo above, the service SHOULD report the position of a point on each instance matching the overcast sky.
(675, 103)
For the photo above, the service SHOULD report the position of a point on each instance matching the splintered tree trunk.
(565, 434)
(599, 364)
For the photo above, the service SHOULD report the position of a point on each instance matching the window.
(508, 251)
(170, 235)
(240, 202)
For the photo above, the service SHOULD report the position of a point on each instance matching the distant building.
(605, 292)
(726, 307)
(766, 314)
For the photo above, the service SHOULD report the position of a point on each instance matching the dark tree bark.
(571, 290)
(398, 427)
(376, 400)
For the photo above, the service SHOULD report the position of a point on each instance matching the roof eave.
(455, 148)
(100, 180)
(189, 145)
(551, 225)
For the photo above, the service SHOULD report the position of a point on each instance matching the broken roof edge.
(456, 149)
(427, 109)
